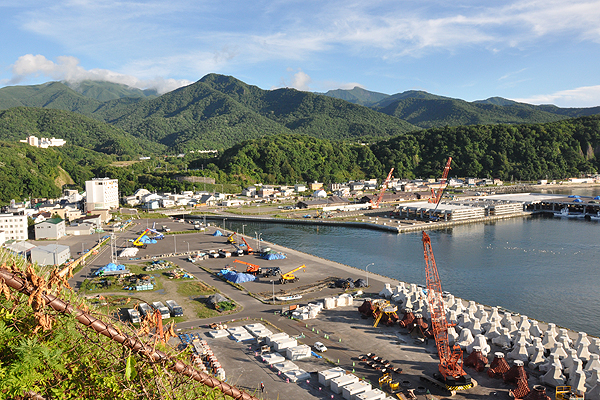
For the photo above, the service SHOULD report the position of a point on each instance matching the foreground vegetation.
(51, 354)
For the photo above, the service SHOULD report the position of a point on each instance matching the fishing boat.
(289, 298)
(564, 213)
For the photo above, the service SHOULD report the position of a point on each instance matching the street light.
(367, 271)
(273, 282)
(243, 230)
(188, 243)
(175, 243)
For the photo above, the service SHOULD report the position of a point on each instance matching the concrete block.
(326, 376)
(481, 342)
(593, 362)
(559, 350)
(550, 361)
(523, 324)
(554, 377)
(504, 340)
(535, 329)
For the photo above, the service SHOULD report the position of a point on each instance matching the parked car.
(320, 347)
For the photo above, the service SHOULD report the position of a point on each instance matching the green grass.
(196, 288)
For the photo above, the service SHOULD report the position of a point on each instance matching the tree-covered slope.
(428, 113)
(298, 158)
(528, 152)
(18, 123)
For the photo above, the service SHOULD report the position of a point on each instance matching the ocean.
(542, 267)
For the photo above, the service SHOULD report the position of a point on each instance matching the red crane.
(436, 197)
(375, 204)
(450, 367)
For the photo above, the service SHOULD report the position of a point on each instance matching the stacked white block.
(351, 390)
(326, 376)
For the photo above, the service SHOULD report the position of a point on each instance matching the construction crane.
(289, 276)
(452, 374)
(249, 250)
(437, 196)
(375, 204)
(251, 269)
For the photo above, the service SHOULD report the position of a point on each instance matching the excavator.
(452, 375)
(289, 276)
(251, 269)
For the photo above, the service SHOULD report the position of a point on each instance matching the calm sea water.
(546, 268)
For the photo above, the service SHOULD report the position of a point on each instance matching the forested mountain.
(104, 91)
(357, 95)
(55, 95)
(428, 113)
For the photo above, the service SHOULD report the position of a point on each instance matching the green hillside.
(427, 113)
(54, 95)
(78, 130)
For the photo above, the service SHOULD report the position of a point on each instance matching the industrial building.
(102, 194)
(53, 254)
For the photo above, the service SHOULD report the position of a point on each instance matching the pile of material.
(111, 269)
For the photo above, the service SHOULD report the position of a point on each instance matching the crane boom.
(249, 249)
(375, 204)
(437, 196)
(450, 366)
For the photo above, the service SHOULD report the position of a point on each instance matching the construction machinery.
(289, 277)
(453, 376)
(565, 393)
(437, 196)
(386, 311)
(376, 200)
(138, 243)
(249, 250)
(251, 269)
(231, 238)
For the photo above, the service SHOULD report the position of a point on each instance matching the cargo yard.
(398, 355)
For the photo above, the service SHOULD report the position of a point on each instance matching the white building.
(44, 143)
(53, 228)
(14, 226)
(102, 194)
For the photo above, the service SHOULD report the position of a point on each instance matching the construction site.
(383, 339)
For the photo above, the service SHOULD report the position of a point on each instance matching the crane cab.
(565, 393)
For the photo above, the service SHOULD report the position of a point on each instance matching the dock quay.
(421, 215)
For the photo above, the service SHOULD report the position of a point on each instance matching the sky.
(539, 52)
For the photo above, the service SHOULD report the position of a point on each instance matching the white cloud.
(585, 96)
(299, 80)
(68, 69)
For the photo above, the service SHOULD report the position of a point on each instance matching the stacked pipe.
(476, 360)
(498, 366)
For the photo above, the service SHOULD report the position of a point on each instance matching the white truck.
(174, 308)
(145, 310)
(134, 315)
(164, 311)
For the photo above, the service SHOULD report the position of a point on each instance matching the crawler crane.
(452, 376)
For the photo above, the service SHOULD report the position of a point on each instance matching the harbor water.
(542, 267)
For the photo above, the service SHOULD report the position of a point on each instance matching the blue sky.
(528, 50)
